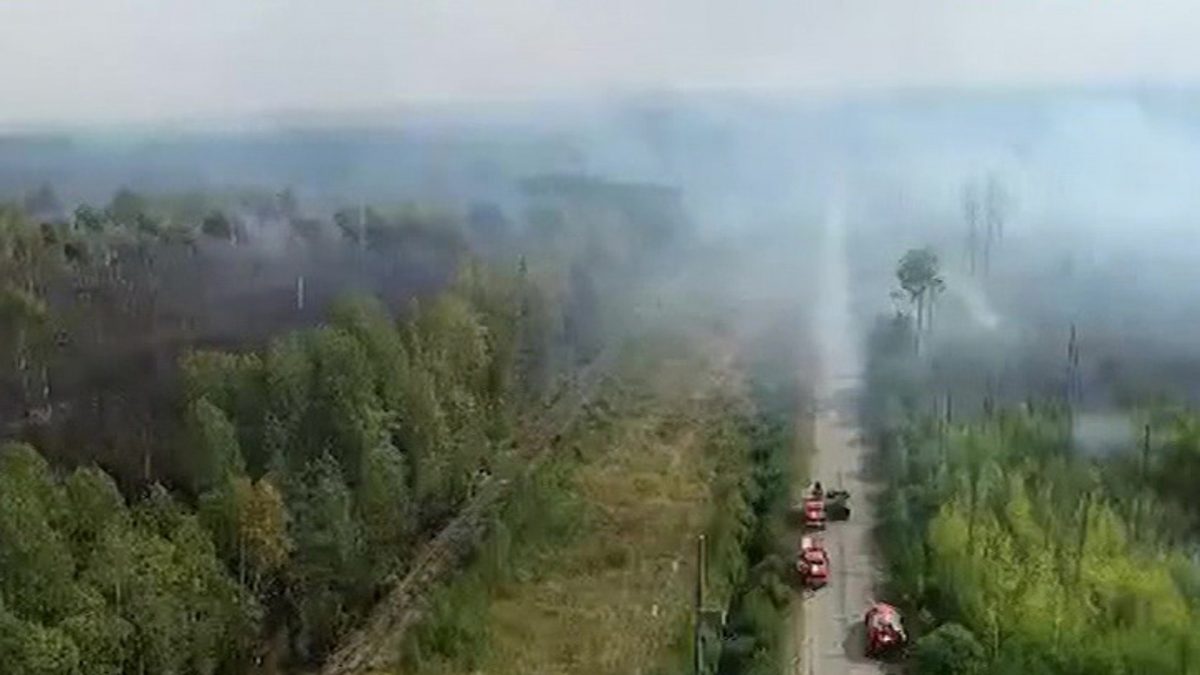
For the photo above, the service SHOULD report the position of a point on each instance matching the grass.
(615, 600)
(613, 593)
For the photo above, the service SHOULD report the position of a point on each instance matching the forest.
(565, 577)
(458, 395)
(1013, 546)
(236, 421)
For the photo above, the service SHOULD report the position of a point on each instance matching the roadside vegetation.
(602, 579)
(761, 572)
(1014, 553)
(599, 577)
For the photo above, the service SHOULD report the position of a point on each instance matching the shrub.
(949, 650)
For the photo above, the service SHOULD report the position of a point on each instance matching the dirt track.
(363, 649)
(826, 636)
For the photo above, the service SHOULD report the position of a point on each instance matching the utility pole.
(697, 637)
(1145, 453)
(1137, 503)
(362, 226)
(946, 419)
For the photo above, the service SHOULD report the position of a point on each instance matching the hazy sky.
(111, 60)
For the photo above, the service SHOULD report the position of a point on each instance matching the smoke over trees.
(307, 461)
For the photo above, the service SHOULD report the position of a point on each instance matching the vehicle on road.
(885, 632)
(837, 505)
(814, 513)
(812, 563)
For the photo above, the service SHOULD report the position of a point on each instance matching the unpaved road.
(826, 635)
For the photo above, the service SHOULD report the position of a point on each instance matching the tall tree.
(386, 509)
(921, 280)
(36, 566)
(218, 226)
(329, 555)
(213, 440)
(127, 207)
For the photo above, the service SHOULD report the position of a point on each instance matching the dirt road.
(826, 636)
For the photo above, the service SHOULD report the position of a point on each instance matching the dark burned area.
(114, 397)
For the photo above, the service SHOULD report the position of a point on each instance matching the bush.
(751, 643)
(949, 650)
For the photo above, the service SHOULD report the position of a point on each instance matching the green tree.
(102, 636)
(248, 520)
(368, 321)
(28, 262)
(217, 225)
(127, 207)
(921, 280)
(185, 613)
(288, 375)
(30, 648)
(89, 219)
(36, 566)
(452, 347)
(345, 416)
(386, 509)
(328, 560)
(538, 333)
(213, 440)
(425, 436)
(235, 383)
(95, 504)
(949, 650)
(262, 525)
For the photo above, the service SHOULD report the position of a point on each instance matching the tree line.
(317, 464)
(1014, 553)
(304, 471)
(99, 303)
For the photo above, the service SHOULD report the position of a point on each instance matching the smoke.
(1097, 231)
(1103, 433)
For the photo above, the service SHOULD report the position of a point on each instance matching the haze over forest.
(508, 338)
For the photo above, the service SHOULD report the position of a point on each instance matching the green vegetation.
(1014, 554)
(91, 584)
(751, 641)
(303, 491)
(602, 579)
(592, 569)
(921, 283)
(457, 633)
(587, 570)
(306, 467)
(949, 650)
(323, 416)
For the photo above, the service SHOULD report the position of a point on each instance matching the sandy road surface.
(826, 636)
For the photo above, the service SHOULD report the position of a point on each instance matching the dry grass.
(618, 598)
